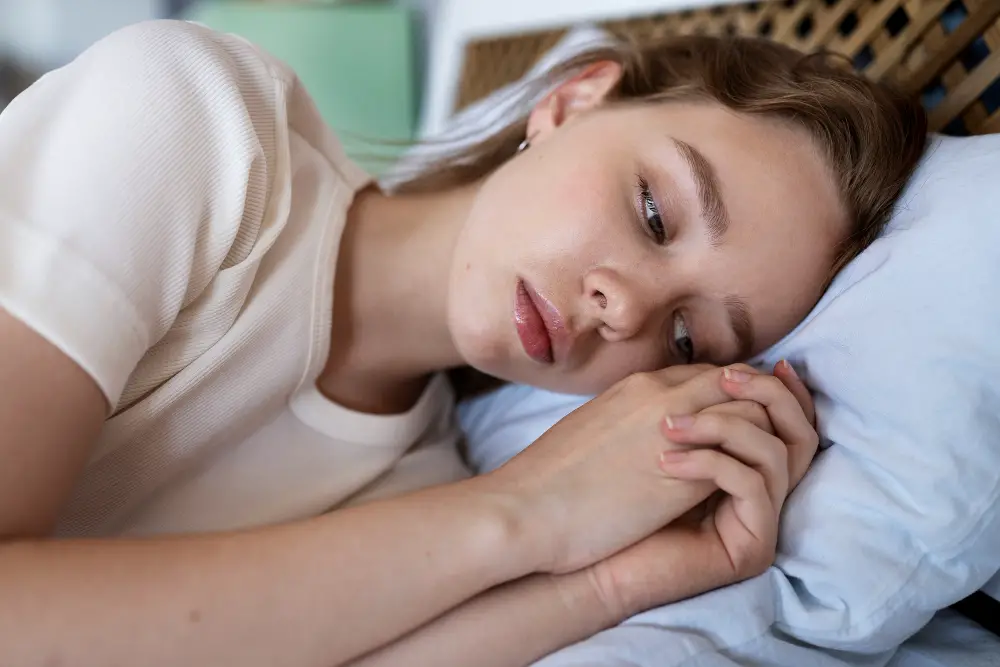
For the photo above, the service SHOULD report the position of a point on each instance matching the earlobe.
(584, 92)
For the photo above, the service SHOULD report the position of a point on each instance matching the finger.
(745, 485)
(751, 411)
(786, 373)
(741, 440)
(701, 391)
(746, 368)
(790, 422)
(801, 458)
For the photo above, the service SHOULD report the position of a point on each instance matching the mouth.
(538, 324)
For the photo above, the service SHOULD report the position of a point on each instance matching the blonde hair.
(872, 135)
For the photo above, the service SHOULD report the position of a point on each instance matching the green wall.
(356, 60)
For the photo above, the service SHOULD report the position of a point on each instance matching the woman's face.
(629, 238)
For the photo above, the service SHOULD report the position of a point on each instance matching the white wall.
(48, 33)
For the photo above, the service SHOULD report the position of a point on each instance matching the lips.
(538, 324)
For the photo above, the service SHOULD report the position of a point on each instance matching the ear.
(585, 91)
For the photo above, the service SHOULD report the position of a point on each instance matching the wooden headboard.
(947, 52)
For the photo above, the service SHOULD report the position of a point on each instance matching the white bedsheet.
(731, 628)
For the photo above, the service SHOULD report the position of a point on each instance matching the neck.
(390, 315)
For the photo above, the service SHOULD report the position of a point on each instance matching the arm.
(521, 622)
(514, 624)
(260, 597)
(317, 592)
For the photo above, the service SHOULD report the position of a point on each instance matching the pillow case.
(900, 514)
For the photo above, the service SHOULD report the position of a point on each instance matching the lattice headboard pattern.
(945, 51)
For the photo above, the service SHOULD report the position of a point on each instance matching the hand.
(766, 441)
(593, 484)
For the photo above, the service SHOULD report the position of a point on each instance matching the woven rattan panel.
(945, 51)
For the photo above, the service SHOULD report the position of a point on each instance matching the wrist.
(610, 592)
(586, 596)
(511, 536)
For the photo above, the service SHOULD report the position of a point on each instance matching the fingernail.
(734, 375)
(679, 422)
(788, 368)
(672, 457)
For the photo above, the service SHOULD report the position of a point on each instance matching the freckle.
(54, 660)
(194, 616)
(468, 266)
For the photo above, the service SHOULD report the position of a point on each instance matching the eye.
(682, 339)
(650, 212)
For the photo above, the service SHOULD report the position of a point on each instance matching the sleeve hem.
(71, 304)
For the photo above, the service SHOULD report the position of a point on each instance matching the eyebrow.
(713, 209)
(739, 320)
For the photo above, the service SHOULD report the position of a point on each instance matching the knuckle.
(755, 560)
(813, 441)
(812, 446)
(713, 423)
(703, 459)
(757, 482)
(779, 449)
(756, 414)
(774, 466)
(642, 383)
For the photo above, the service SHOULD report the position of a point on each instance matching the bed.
(947, 53)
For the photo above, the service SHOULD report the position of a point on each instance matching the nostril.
(602, 300)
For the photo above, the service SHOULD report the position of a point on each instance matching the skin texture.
(429, 281)
(578, 235)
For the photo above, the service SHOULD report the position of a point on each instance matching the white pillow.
(900, 515)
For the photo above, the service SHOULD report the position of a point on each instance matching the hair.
(872, 135)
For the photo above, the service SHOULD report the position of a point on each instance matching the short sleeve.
(129, 178)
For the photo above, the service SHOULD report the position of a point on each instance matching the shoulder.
(132, 176)
(180, 49)
(180, 70)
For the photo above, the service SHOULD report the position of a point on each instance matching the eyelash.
(650, 212)
(653, 220)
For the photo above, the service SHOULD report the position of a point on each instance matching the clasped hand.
(667, 485)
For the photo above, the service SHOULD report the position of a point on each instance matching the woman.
(215, 332)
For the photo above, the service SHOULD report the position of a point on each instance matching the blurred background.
(383, 72)
(371, 52)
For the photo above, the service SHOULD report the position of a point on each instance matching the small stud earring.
(525, 145)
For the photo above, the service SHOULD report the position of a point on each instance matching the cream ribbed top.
(171, 206)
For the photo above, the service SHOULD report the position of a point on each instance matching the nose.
(617, 306)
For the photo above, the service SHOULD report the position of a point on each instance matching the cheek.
(553, 195)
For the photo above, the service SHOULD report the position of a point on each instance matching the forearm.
(509, 626)
(523, 621)
(319, 592)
